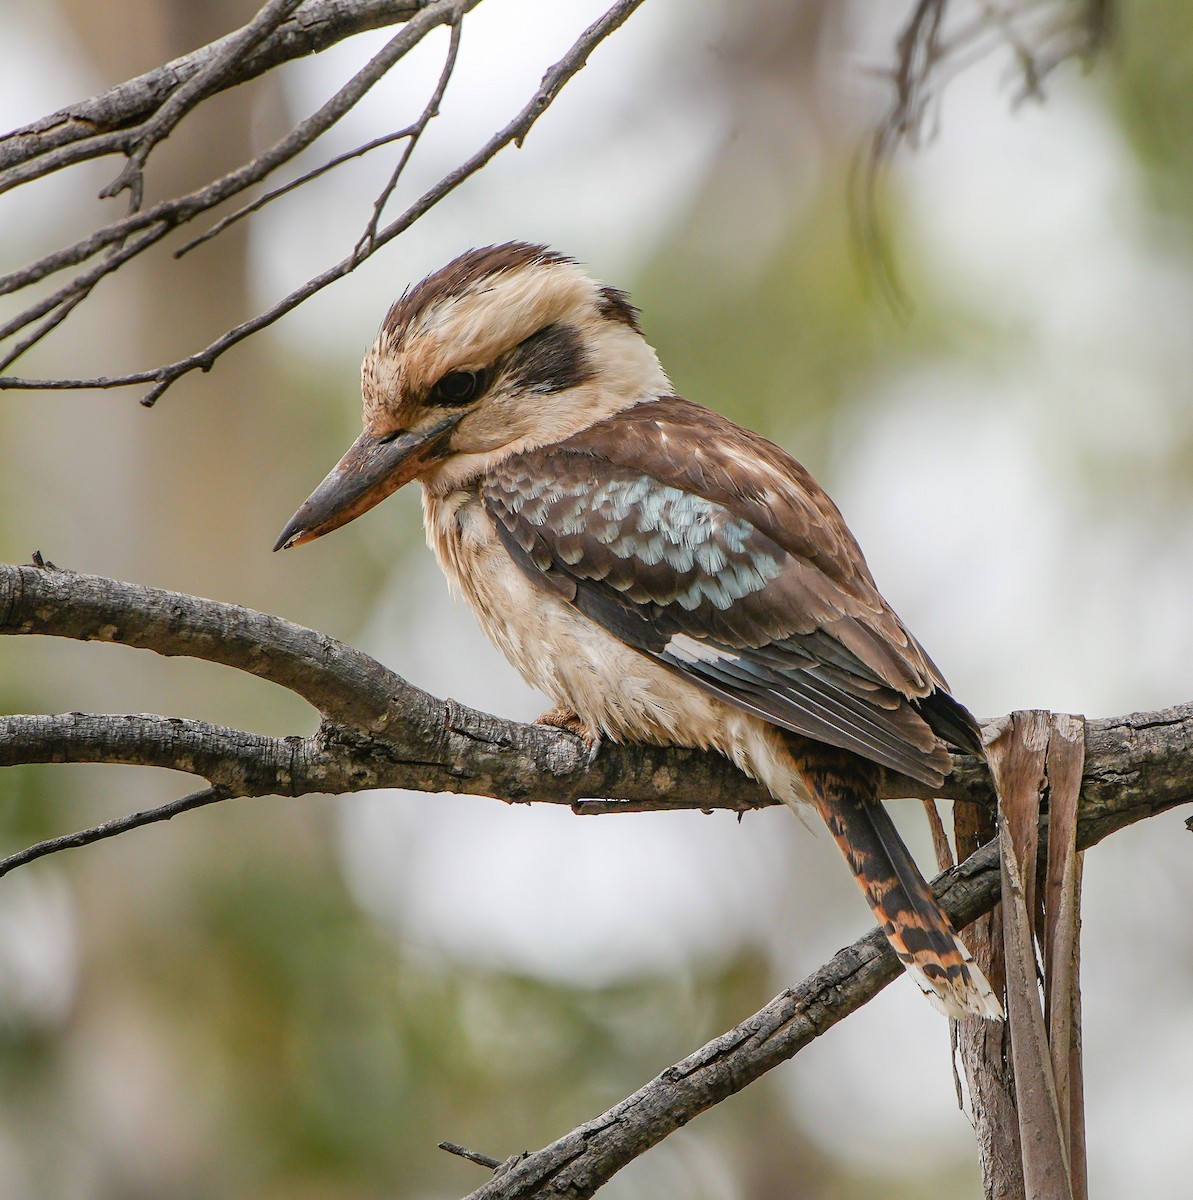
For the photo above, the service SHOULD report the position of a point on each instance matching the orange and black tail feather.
(844, 790)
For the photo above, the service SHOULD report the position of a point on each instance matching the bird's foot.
(561, 717)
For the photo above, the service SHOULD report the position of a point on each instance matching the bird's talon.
(594, 748)
(560, 717)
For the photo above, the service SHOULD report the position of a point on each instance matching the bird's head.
(506, 348)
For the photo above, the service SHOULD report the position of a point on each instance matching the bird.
(662, 574)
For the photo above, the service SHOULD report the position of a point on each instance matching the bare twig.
(368, 241)
(316, 25)
(77, 290)
(1041, 34)
(276, 193)
(153, 224)
(207, 795)
(56, 317)
(481, 1160)
(208, 80)
(159, 220)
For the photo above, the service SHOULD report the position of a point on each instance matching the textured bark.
(316, 25)
(379, 731)
(1061, 941)
(983, 1047)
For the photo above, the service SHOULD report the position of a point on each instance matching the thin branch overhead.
(131, 126)
(316, 25)
(207, 81)
(155, 223)
(935, 45)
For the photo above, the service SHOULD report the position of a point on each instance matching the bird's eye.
(457, 387)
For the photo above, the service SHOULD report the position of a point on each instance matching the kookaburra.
(662, 574)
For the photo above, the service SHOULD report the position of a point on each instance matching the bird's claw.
(560, 717)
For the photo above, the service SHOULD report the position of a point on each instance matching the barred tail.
(844, 790)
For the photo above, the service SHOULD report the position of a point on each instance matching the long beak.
(372, 469)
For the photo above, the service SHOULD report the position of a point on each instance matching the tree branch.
(206, 82)
(107, 829)
(314, 27)
(153, 224)
(247, 764)
(583, 1160)
(579, 1163)
(380, 731)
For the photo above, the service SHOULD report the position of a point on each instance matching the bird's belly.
(615, 690)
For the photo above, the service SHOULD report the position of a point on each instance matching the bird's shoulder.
(700, 452)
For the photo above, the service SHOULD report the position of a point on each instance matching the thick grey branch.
(380, 731)
(336, 679)
(247, 764)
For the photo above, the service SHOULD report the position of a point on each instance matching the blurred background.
(300, 998)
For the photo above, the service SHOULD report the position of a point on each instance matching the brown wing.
(710, 549)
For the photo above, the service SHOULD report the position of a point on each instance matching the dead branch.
(39, 151)
(377, 730)
(933, 47)
(316, 25)
(583, 1160)
(206, 81)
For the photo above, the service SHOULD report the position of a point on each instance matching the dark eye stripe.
(551, 360)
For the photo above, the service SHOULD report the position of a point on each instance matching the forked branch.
(377, 730)
(56, 143)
